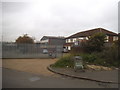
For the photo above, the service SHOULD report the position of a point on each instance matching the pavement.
(98, 76)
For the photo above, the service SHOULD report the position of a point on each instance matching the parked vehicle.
(45, 51)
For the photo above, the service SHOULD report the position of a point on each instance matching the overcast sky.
(57, 17)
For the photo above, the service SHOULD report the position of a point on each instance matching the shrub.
(96, 42)
(89, 58)
(110, 56)
(65, 61)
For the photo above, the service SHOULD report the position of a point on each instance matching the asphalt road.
(0, 78)
(19, 79)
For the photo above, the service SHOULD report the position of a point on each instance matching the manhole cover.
(32, 79)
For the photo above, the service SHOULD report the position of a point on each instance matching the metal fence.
(31, 51)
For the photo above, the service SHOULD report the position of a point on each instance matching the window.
(76, 43)
(74, 40)
(69, 41)
(66, 40)
(69, 48)
(86, 38)
(107, 37)
(115, 38)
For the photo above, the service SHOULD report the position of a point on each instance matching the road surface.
(35, 66)
(33, 73)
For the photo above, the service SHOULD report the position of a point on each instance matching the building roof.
(52, 37)
(91, 32)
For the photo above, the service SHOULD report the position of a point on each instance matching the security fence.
(31, 51)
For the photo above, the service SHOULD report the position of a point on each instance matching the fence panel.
(30, 51)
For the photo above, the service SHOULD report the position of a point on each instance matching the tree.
(96, 42)
(24, 39)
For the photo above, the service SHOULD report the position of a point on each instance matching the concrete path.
(103, 76)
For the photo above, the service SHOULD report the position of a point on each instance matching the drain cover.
(32, 79)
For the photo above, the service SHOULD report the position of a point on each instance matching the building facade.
(50, 40)
(53, 43)
(79, 37)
